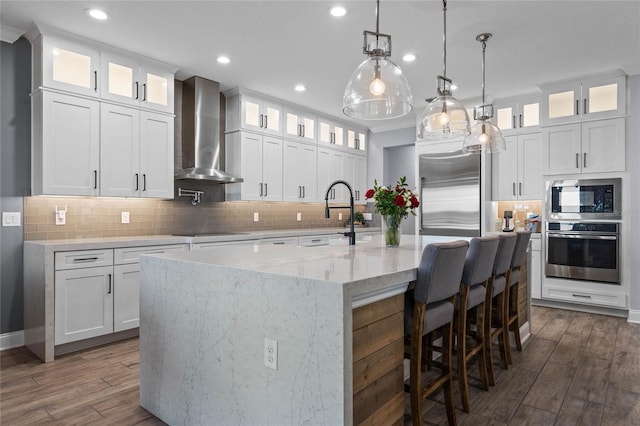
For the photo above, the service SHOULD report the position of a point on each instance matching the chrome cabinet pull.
(514, 189)
(584, 160)
(137, 182)
(137, 90)
(303, 130)
(266, 190)
(109, 291)
(317, 240)
(520, 188)
(577, 107)
(299, 191)
(584, 296)
(95, 179)
(266, 121)
(144, 92)
(304, 192)
(95, 81)
(520, 120)
(577, 159)
(513, 121)
(144, 181)
(279, 243)
(584, 106)
(261, 121)
(260, 188)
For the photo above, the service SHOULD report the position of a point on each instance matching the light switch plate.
(124, 217)
(256, 217)
(298, 217)
(10, 218)
(367, 216)
(61, 217)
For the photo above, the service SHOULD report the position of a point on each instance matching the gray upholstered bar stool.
(477, 272)
(496, 303)
(429, 307)
(519, 257)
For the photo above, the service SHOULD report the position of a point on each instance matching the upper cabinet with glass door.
(64, 65)
(518, 115)
(126, 80)
(331, 133)
(357, 139)
(299, 125)
(589, 99)
(247, 111)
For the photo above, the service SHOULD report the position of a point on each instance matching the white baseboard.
(11, 340)
(634, 316)
(525, 333)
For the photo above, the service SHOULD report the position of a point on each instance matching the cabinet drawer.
(313, 241)
(588, 297)
(83, 259)
(198, 246)
(122, 256)
(289, 241)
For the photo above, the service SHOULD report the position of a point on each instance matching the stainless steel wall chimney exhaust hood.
(201, 146)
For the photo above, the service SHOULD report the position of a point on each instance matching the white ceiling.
(274, 45)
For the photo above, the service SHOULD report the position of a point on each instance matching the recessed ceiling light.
(300, 88)
(338, 11)
(223, 59)
(97, 14)
(409, 57)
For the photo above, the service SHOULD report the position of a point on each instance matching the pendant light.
(377, 89)
(445, 117)
(485, 136)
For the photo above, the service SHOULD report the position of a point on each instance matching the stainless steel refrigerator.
(450, 194)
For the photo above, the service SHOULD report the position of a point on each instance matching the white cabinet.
(517, 173)
(357, 139)
(330, 169)
(126, 80)
(65, 147)
(331, 133)
(83, 295)
(535, 273)
(355, 173)
(201, 246)
(300, 172)
(136, 153)
(258, 160)
(64, 65)
(596, 98)
(249, 112)
(517, 115)
(299, 125)
(595, 146)
(279, 241)
(126, 298)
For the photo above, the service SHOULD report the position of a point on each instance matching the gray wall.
(633, 157)
(15, 163)
(400, 161)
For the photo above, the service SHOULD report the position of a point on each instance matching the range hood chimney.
(201, 146)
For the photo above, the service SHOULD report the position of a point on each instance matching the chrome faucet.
(352, 233)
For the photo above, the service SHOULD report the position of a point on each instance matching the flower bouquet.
(394, 204)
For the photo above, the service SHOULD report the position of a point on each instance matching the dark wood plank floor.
(576, 369)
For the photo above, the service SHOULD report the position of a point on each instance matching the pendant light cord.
(444, 39)
(484, 47)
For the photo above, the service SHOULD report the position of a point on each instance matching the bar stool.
(496, 303)
(430, 307)
(473, 289)
(512, 323)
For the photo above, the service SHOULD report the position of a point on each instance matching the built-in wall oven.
(583, 251)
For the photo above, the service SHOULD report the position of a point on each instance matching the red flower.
(399, 201)
(414, 202)
(370, 193)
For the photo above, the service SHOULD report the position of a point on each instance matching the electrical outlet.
(10, 218)
(124, 217)
(339, 216)
(271, 353)
(61, 217)
(256, 217)
(367, 216)
(298, 217)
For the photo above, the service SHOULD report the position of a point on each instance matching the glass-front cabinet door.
(156, 91)
(120, 79)
(604, 98)
(518, 116)
(260, 115)
(561, 104)
(299, 125)
(70, 66)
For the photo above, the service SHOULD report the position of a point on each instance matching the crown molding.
(10, 35)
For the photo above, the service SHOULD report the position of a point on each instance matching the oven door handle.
(583, 236)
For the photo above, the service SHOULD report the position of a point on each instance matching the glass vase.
(392, 230)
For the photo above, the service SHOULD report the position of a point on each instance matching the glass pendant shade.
(377, 90)
(485, 136)
(444, 118)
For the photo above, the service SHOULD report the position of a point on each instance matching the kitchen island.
(332, 310)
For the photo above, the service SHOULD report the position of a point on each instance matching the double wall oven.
(583, 230)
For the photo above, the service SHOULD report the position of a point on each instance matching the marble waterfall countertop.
(205, 315)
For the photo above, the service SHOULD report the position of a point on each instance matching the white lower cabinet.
(535, 277)
(94, 297)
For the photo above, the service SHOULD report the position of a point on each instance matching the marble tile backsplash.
(101, 217)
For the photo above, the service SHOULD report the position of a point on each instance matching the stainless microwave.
(584, 199)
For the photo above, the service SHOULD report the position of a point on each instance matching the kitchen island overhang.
(205, 315)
